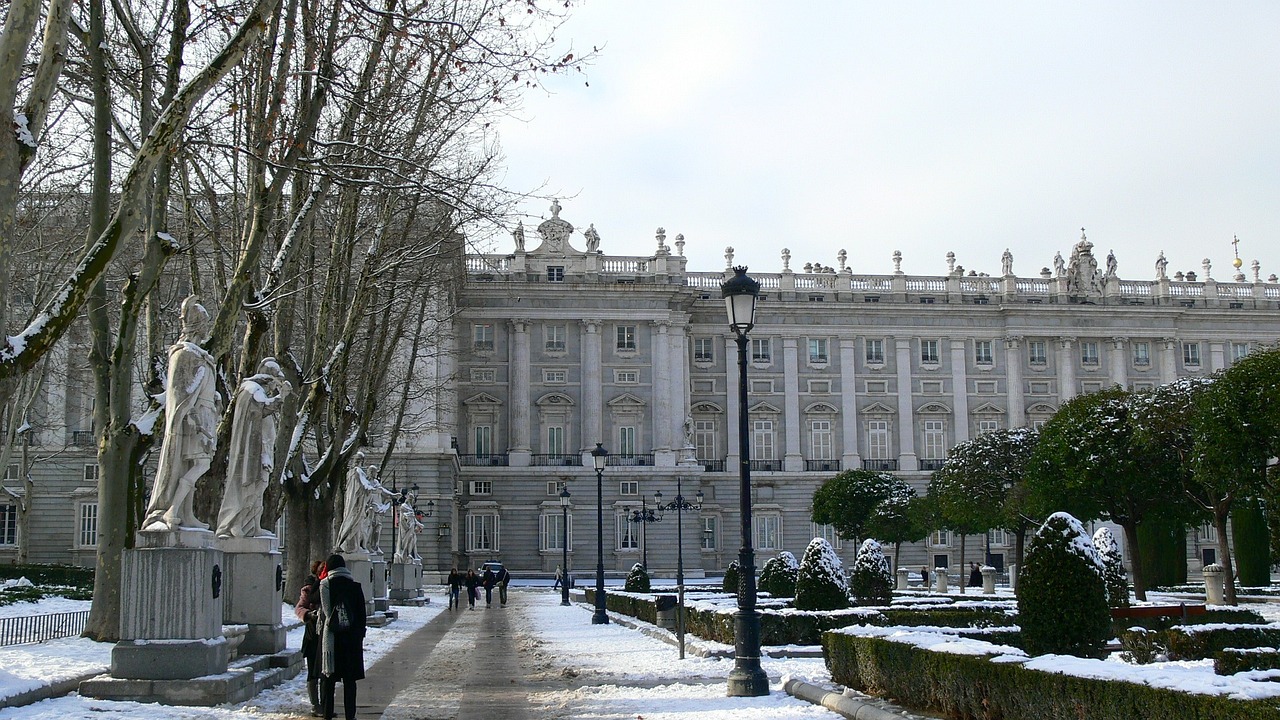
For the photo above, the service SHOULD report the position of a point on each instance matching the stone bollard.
(1013, 576)
(1213, 584)
(988, 580)
(904, 577)
(940, 579)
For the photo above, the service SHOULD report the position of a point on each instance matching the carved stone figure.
(688, 431)
(1161, 266)
(353, 533)
(518, 236)
(251, 457)
(593, 238)
(190, 425)
(1059, 267)
(376, 508)
(407, 540)
(1082, 272)
(1006, 262)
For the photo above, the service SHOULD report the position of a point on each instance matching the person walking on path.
(342, 642)
(975, 575)
(504, 579)
(308, 611)
(924, 576)
(472, 581)
(559, 578)
(455, 589)
(489, 580)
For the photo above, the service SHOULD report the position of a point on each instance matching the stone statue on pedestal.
(190, 426)
(593, 238)
(1006, 262)
(251, 457)
(376, 509)
(353, 533)
(407, 540)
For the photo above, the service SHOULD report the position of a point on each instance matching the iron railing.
(868, 464)
(822, 465)
(932, 463)
(712, 465)
(39, 628)
(483, 459)
(630, 459)
(766, 466)
(555, 459)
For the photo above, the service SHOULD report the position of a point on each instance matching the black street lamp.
(564, 545)
(679, 505)
(598, 457)
(747, 678)
(645, 516)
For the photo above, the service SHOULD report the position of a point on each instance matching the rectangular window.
(704, 440)
(762, 440)
(986, 426)
(817, 350)
(555, 440)
(982, 353)
(1036, 353)
(552, 531)
(1038, 424)
(816, 297)
(626, 337)
(940, 538)
(8, 524)
(482, 337)
(1039, 388)
(819, 387)
(484, 375)
(555, 377)
(1207, 533)
(1190, 353)
(626, 377)
(91, 472)
(481, 487)
(1239, 350)
(929, 352)
(931, 387)
(704, 349)
(555, 486)
(1141, 353)
(629, 487)
(821, 439)
(556, 337)
(1089, 353)
(482, 533)
(935, 440)
(627, 533)
(11, 472)
(826, 532)
(998, 537)
(626, 440)
(877, 387)
(878, 440)
(875, 351)
(555, 273)
(768, 531)
(1087, 387)
(709, 532)
(87, 528)
(985, 387)
(761, 350)
(761, 387)
(483, 440)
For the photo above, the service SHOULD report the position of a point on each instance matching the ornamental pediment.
(764, 407)
(821, 408)
(1044, 408)
(626, 400)
(987, 409)
(482, 399)
(554, 399)
(876, 408)
(707, 407)
(935, 409)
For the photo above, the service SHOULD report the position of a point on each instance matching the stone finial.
(661, 236)
(1046, 273)
(808, 267)
(1257, 270)
(951, 263)
(1272, 278)
(1191, 276)
(680, 244)
(1179, 276)
(786, 260)
(897, 262)
(1206, 265)
(728, 257)
(555, 208)
(843, 258)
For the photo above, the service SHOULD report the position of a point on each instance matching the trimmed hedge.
(60, 575)
(946, 617)
(1234, 660)
(968, 686)
(1233, 616)
(1202, 644)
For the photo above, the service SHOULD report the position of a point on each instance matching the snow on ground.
(46, 606)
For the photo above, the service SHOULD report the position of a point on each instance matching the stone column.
(519, 401)
(906, 411)
(1066, 369)
(1213, 585)
(661, 392)
(959, 391)
(592, 385)
(679, 352)
(1217, 356)
(940, 580)
(988, 580)
(849, 458)
(1119, 361)
(792, 458)
(1168, 360)
(254, 579)
(1013, 380)
(733, 454)
(904, 579)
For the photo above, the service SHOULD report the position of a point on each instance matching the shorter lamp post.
(679, 505)
(644, 516)
(564, 546)
(598, 458)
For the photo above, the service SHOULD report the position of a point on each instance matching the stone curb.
(843, 704)
(44, 692)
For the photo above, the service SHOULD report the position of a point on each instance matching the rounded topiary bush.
(730, 583)
(820, 583)
(1062, 600)
(871, 581)
(778, 578)
(637, 579)
(1113, 568)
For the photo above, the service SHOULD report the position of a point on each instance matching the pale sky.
(916, 126)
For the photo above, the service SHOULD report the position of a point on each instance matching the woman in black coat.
(308, 611)
(342, 642)
(472, 581)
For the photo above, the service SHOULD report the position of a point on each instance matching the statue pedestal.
(406, 582)
(172, 593)
(379, 582)
(360, 563)
(255, 581)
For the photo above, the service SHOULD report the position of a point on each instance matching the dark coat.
(455, 580)
(489, 579)
(343, 648)
(308, 611)
(504, 577)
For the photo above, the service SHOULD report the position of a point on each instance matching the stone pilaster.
(661, 389)
(519, 400)
(733, 454)
(906, 411)
(1168, 360)
(1013, 380)
(1120, 361)
(792, 458)
(849, 457)
(959, 390)
(1067, 369)
(592, 385)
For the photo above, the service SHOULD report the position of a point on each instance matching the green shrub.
(979, 617)
(778, 578)
(637, 579)
(871, 582)
(1142, 646)
(1235, 660)
(1113, 563)
(731, 578)
(1252, 542)
(820, 583)
(1062, 601)
(53, 575)
(1233, 616)
(1186, 643)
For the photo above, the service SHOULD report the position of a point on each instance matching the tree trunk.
(310, 524)
(1220, 515)
(1135, 560)
(964, 578)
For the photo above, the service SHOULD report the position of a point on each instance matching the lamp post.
(598, 457)
(747, 679)
(679, 505)
(645, 516)
(564, 546)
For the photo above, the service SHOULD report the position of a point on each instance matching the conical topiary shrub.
(731, 578)
(637, 579)
(820, 583)
(779, 575)
(1062, 599)
(870, 581)
(1113, 564)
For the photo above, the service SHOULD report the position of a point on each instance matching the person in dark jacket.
(342, 641)
(455, 588)
(308, 611)
(488, 581)
(504, 579)
(472, 581)
(975, 575)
